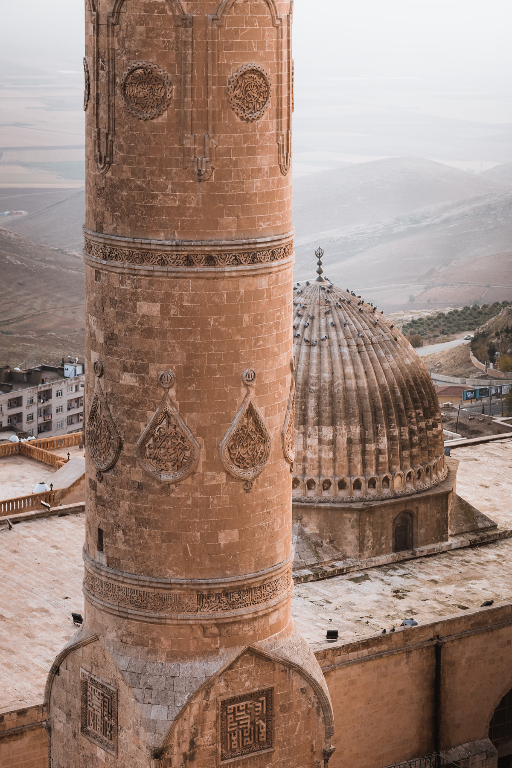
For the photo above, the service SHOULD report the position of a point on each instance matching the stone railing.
(39, 454)
(64, 441)
(9, 449)
(25, 503)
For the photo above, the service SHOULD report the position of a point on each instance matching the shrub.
(415, 340)
(505, 363)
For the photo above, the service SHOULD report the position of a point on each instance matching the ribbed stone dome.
(368, 423)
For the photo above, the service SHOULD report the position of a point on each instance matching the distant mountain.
(500, 173)
(391, 259)
(58, 225)
(332, 201)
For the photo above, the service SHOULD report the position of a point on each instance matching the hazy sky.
(335, 37)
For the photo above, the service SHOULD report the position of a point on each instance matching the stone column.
(188, 646)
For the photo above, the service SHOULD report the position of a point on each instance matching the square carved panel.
(99, 712)
(246, 724)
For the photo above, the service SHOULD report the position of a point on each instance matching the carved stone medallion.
(87, 84)
(101, 436)
(245, 448)
(146, 89)
(249, 92)
(288, 432)
(246, 724)
(99, 712)
(167, 449)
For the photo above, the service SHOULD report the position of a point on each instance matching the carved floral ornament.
(249, 92)
(288, 431)
(146, 90)
(245, 448)
(166, 258)
(102, 439)
(167, 450)
(87, 84)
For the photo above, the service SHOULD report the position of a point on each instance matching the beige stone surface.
(40, 585)
(19, 474)
(41, 565)
(362, 604)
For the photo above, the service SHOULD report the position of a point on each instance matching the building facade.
(47, 410)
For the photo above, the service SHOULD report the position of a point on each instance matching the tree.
(505, 363)
(415, 340)
(491, 352)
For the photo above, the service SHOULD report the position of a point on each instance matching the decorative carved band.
(170, 258)
(175, 600)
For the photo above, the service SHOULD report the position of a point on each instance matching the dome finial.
(319, 253)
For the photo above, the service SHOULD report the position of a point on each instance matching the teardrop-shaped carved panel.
(288, 433)
(245, 448)
(167, 449)
(102, 439)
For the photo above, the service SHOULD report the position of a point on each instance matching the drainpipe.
(437, 695)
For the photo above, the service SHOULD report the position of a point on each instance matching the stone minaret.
(187, 655)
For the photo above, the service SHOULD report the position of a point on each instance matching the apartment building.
(53, 407)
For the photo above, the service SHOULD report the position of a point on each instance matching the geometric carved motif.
(180, 259)
(167, 449)
(288, 431)
(87, 84)
(245, 448)
(102, 439)
(146, 89)
(246, 724)
(178, 602)
(99, 712)
(249, 92)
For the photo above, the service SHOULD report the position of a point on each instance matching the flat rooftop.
(19, 474)
(41, 576)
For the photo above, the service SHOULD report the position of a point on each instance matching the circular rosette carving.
(146, 90)
(249, 92)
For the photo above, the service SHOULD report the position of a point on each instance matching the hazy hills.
(393, 226)
(381, 189)
(58, 225)
(42, 308)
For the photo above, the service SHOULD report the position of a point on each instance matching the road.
(422, 351)
(476, 408)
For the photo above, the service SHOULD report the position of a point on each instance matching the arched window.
(311, 485)
(357, 485)
(402, 532)
(326, 485)
(342, 485)
(295, 483)
(385, 483)
(372, 484)
(500, 727)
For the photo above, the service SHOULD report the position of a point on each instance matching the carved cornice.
(195, 255)
(169, 600)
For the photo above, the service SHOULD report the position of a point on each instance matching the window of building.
(70, 389)
(402, 532)
(30, 432)
(58, 393)
(59, 409)
(1, 408)
(1, 423)
(30, 417)
(9, 419)
(60, 425)
(30, 401)
(500, 726)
